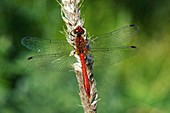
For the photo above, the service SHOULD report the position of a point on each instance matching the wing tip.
(24, 39)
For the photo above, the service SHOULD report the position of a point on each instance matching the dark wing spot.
(29, 58)
(133, 46)
(135, 26)
(132, 25)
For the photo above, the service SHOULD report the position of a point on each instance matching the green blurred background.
(137, 85)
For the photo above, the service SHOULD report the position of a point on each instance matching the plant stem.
(70, 12)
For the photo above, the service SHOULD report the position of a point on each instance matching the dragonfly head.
(79, 31)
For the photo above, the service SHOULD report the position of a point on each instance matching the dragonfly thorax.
(81, 45)
(79, 41)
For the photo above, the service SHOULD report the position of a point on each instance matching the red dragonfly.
(106, 49)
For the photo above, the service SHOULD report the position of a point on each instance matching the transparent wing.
(55, 54)
(115, 46)
(119, 37)
(51, 62)
(109, 56)
(45, 46)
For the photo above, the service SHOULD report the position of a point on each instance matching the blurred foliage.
(138, 85)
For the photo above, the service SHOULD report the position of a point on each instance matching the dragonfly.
(105, 49)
